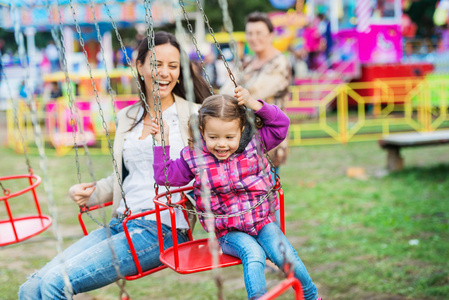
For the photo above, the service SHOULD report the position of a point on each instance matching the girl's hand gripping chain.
(245, 98)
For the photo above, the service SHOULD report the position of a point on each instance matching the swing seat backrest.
(196, 254)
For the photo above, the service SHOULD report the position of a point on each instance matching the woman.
(266, 75)
(89, 262)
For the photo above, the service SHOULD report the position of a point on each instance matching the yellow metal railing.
(365, 111)
(329, 113)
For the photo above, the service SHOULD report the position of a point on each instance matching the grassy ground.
(372, 236)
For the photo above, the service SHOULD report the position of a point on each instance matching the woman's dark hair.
(259, 17)
(200, 86)
(224, 107)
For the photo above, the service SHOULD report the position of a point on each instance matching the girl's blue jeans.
(254, 250)
(89, 262)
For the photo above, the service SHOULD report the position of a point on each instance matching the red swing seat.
(140, 272)
(17, 229)
(195, 254)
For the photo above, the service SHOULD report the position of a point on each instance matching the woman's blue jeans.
(89, 262)
(254, 250)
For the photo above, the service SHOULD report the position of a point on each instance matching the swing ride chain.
(100, 110)
(121, 284)
(210, 215)
(157, 105)
(127, 212)
(195, 43)
(286, 265)
(69, 92)
(108, 78)
(128, 60)
(16, 120)
(223, 4)
(6, 191)
(227, 23)
(217, 45)
(153, 61)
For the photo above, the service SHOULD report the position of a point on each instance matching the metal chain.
(128, 60)
(155, 86)
(39, 141)
(258, 121)
(105, 127)
(16, 118)
(195, 43)
(229, 28)
(217, 45)
(127, 212)
(108, 78)
(237, 214)
(63, 58)
(6, 191)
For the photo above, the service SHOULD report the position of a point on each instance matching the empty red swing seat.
(17, 229)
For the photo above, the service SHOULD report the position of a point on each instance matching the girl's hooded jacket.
(234, 185)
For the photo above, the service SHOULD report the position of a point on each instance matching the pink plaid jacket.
(236, 184)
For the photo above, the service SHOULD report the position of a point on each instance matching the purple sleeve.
(275, 127)
(179, 173)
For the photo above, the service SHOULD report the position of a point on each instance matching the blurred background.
(379, 67)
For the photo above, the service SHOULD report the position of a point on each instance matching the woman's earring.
(141, 77)
(177, 81)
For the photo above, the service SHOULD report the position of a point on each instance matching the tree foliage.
(238, 10)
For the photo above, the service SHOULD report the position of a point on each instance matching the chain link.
(119, 282)
(227, 24)
(217, 45)
(105, 127)
(157, 105)
(195, 43)
(16, 118)
(6, 191)
(108, 78)
(212, 215)
(39, 141)
(62, 58)
(128, 60)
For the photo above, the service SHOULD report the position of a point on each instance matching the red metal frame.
(140, 273)
(196, 256)
(14, 230)
(283, 286)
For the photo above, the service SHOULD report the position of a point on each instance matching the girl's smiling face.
(222, 137)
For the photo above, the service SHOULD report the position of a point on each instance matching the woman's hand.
(155, 131)
(80, 193)
(245, 98)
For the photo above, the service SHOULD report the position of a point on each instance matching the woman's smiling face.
(168, 67)
(258, 36)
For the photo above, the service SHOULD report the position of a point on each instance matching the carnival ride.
(82, 125)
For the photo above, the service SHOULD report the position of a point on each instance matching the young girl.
(238, 177)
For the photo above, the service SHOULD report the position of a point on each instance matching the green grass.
(380, 236)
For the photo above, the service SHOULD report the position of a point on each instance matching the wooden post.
(394, 159)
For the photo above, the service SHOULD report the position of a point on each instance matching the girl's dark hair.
(260, 17)
(200, 86)
(224, 107)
